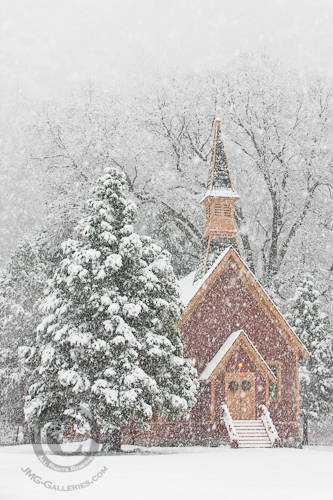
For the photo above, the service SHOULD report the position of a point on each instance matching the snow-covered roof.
(221, 192)
(214, 362)
(188, 288)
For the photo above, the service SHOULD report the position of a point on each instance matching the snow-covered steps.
(252, 434)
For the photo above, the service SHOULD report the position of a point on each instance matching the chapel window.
(218, 209)
(233, 386)
(274, 387)
(227, 210)
(246, 385)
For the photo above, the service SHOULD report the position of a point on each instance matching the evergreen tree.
(108, 351)
(21, 287)
(316, 377)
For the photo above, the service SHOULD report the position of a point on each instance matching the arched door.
(240, 395)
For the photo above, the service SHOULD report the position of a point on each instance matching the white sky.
(48, 47)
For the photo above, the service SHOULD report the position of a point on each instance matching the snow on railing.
(234, 438)
(269, 426)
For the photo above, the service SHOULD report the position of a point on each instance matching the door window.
(246, 385)
(233, 386)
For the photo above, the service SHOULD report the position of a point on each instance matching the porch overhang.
(222, 356)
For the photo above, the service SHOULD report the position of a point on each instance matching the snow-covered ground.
(169, 473)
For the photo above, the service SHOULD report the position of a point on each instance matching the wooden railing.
(269, 426)
(234, 438)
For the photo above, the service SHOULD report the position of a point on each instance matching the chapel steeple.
(219, 174)
(219, 202)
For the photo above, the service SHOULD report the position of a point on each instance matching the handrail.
(234, 438)
(269, 426)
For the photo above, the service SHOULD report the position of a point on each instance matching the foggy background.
(50, 48)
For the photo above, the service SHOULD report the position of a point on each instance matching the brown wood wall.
(227, 307)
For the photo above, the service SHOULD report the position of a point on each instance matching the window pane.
(218, 209)
(274, 386)
(233, 386)
(246, 385)
(227, 210)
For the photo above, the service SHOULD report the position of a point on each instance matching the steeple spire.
(219, 201)
(219, 175)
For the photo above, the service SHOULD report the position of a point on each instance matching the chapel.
(246, 354)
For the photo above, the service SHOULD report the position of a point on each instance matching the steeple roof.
(219, 175)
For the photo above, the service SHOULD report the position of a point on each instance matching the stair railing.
(269, 426)
(233, 435)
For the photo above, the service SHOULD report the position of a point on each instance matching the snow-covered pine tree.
(316, 377)
(21, 287)
(108, 351)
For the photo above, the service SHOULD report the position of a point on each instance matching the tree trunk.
(245, 239)
(96, 434)
(27, 433)
(112, 441)
(305, 430)
(35, 434)
(272, 267)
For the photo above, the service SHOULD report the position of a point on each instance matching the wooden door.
(240, 395)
